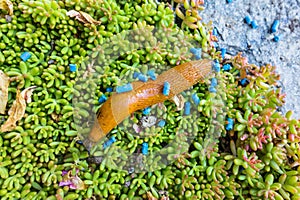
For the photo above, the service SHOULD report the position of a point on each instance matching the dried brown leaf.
(26, 93)
(4, 83)
(83, 17)
(74, 182)
(7, 5)
(17, 110)
(150, 196)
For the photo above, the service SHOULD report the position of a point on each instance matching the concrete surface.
(257, 44)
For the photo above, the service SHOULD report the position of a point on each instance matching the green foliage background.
(258, 159)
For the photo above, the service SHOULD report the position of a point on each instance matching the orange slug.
(119, 106)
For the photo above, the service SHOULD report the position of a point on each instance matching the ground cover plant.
(242, 146)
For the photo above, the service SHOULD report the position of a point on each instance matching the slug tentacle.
(144, 94)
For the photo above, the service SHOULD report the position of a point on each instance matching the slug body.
(144, 94)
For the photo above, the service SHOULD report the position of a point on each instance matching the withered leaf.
(17, 110)
(150, 196)
(179, 101)
(74, 182)
(4, 82)
(7, 5)
(83, 17)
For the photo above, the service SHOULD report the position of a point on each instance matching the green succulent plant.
(258, 158)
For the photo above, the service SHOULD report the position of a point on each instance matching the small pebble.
(102, 98)
(214, 82)
(72, 67)
(226, 67)
(248, 20)
(148, 121)
(127, 183)
(166, 89)
(196, 99)
(145, 148)
(147, 111)
(25, 56)
(50, 62)
(131, 170)
(95, 159)
(161, 123)
(142, 78)
(8, 18)
(275, 26)
(187, 108)
(124, 88)
(136, 128)
(254, 24)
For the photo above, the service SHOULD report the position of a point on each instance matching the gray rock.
(257, 44)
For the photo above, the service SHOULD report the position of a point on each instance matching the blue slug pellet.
(196, 99)
(244, 81)
(275, 26)
(151, 74)
(142, 78)
(161, 123)
(216, 66)
(229, 125)
(145, 148)
(135, 75)
(102, 98)
(197, 52)
(194, 50)
(215, 32)
(147, 111)
(226, 67)
(79, 142)
(248, 20)
(187, 108)
(109, 89)
(109, 142)
(228, 1)
(214, 82)
(229, 120)
(72, 67)
(25, 56)
(166, 89)
(212, 89)
(124, 88)
(254, 24)
(223, 52)
(276, 38)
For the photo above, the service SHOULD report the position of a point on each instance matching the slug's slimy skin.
(144, 94)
